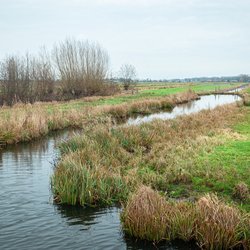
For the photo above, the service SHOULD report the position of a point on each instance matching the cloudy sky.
(161, 38)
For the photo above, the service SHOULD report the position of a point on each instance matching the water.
(30, 220)
(205, 102)
(236, 90)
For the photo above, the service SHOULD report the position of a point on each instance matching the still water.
(205, 102)
(30, 220)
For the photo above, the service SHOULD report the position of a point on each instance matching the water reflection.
(103, 225)
(236, 90)
(205, 102)
(133, 244)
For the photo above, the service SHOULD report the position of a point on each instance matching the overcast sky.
(161, 38)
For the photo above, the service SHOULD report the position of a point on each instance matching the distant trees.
(71, 70)
(244, 78)
(25, 79)
(44, 76)
(127, 75)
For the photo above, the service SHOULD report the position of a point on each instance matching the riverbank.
(181, 159)
(173, 156)
(26, 122)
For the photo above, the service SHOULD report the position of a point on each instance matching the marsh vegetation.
(169, 176)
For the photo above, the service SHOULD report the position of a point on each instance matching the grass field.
(154, 91)
(27, 122)
(183, 158)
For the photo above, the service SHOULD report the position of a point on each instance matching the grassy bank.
(185, 161)
(246, 94)
(26, 122)
(182, 157)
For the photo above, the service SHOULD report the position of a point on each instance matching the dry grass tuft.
(219, 226)
(144, 216)
(211, 222)
(241, 191)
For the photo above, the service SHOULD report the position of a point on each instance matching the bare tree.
(244, 78)
(9, 76)
(82, 66)
(43, 75)
(25, 79)
(127, 75)
(15, 79)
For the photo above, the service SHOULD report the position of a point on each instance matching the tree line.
(72, 69)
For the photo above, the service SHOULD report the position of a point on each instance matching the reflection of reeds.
(26, 122)
(212, 223)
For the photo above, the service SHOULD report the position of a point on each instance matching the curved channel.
(30, 220)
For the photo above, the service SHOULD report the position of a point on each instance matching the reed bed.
(162, 154)
(24, 122)
(80, 184)
(154, 168)
(209, 221)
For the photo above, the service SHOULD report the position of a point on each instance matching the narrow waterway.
(30, 220)
(204, 103)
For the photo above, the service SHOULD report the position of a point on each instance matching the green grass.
(233, 158)
(146, 93)
(196, 88)
(183, 157)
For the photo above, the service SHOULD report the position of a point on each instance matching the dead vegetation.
(24, 122)
(209, 221)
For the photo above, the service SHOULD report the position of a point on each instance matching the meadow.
(170, 176)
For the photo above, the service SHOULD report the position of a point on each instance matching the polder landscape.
(94, 160)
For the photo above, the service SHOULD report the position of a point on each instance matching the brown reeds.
(144, 216)
(211, 222)
(219, 226)
(24, 122)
